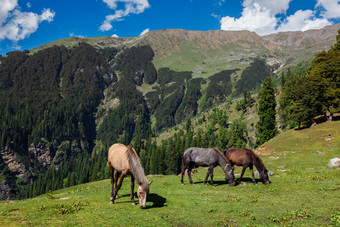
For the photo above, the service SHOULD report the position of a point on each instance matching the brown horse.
(124, 160)
(247, 158)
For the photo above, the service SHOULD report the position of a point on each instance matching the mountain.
(77, 96)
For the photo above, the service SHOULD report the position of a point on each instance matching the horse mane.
(222, 155)
(257, 158)
(135, 166)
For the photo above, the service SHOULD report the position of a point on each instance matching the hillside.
(303, 192)
(69, 100)
(322, 137)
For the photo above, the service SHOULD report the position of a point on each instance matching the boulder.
(334, 162)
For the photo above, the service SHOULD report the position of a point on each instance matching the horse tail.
(111, 171)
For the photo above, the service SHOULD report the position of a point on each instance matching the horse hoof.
(205, 185)
(111, 202)
(182, 184)
(116, 196)
(133, 204)
(213, 186)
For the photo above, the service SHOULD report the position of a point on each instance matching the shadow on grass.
(157, 200)
(216, 183)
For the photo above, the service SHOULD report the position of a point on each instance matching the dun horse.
(124, 160)
(210, 157)
(247, 158)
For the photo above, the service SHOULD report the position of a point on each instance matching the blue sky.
(28, 24)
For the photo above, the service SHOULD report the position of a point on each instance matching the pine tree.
(237, 134)
(266, 126)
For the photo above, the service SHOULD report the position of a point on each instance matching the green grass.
(304, 192)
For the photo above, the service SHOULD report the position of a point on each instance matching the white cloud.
(16, 25)
(114, 36)
(274, 7)
(331, 8)
(144, 32)
(6, 7)
(72, 34)
(302, 21)
(262, 17)
(130, 7)
(254, 18)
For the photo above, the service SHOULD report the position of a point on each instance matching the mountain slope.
(69, 97)
(297, 176)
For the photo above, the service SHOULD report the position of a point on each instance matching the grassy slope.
(303, 192)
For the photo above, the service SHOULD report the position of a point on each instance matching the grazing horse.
(124, 160)
(247, 158)
(210, 157)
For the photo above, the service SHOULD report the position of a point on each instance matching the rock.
(319, 153)
(270, 172)
(334, 162)
(16, 164)
(42, 153)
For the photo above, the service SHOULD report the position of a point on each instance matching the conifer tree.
(266, 126)
(237, 134)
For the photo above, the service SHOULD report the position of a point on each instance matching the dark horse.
(210, 157)
(247, 158)
(124, 160)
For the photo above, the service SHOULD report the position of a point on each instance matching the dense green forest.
(306, 96)
(253, 76)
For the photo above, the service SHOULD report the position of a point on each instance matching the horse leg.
(122, 175)
(185, 165)
(211, 168)
(206, 178)
(252, 174)
(191, 165)
(243, 169)
(115, 179)
(112, 182)
(132, 188)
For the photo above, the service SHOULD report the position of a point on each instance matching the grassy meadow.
(304, 192)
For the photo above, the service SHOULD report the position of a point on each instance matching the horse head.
(264, 176)
(142, 193)
(229, 174)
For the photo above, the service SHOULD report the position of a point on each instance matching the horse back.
(117, 157)
(239, 156)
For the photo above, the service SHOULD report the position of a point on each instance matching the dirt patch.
(263, 150)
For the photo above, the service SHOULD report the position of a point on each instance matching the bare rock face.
(14, 163)
(42, 153)
(334, 162)
(14, 166)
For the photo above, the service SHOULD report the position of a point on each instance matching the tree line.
(306, 96)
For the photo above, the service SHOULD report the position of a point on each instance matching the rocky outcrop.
(14, 162)
(42, 153)
(334, 162)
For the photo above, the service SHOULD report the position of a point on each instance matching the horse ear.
(150, 182)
